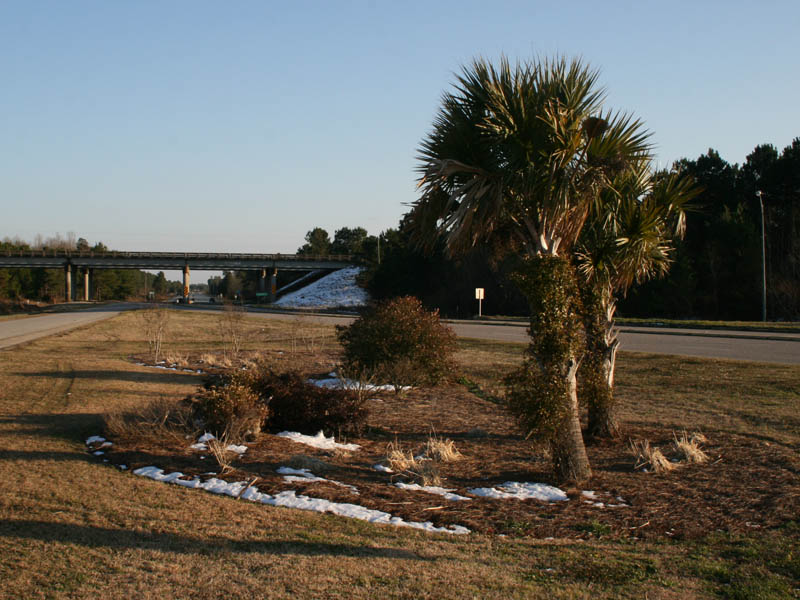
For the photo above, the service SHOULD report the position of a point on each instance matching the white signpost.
(479, 298)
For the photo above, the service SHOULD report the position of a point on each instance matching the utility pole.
(760, 195)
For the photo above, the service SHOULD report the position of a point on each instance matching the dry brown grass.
(421, 470)
(688, 446)
(650, 458)
(224, 457)
(151, 420)
(72, 527)
(441, 450)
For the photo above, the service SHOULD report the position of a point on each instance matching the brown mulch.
(749, 483)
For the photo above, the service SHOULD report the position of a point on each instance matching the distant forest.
(47, 285)
(716, 273)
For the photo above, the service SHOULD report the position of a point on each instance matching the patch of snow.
(123, 467)
(199, 446)
(339, 383)
(337, 289)
(382, 468)
(206, 437)
(94, 439)
(590, 494)
(238, 449)
(522, 491)
(317, 441)
(431, 489)
(305, 476)
(98, 453)
(289, 499)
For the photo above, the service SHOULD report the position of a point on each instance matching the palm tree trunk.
(597, 369)
(545, 398)
(569, 452)
(603, 407)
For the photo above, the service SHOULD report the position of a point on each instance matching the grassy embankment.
(72, 527)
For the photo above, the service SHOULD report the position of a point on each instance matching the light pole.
(760, 195)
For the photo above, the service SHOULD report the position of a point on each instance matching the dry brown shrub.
(650, 458)
(689, 447)
(155, 419)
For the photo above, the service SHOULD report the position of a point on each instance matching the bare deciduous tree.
(232, 329)
(155, 322)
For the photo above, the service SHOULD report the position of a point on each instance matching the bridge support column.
(273, 285)
(68, 283)
(262, 284)
(186, 283)
(86, 284)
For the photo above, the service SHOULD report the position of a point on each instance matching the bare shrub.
(359, 380)
(156, 419)
(650, 458)
(400, 342)
(155, 321)
(232, 329)
(689, 447)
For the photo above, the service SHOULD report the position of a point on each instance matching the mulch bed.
(748, 484)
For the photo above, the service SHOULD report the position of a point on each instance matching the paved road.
(737, 345)
(19, 331)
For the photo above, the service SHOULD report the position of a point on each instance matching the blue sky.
(239, 126)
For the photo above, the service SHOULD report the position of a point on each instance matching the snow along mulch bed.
(501, 485)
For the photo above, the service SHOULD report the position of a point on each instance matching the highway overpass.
(74, 261)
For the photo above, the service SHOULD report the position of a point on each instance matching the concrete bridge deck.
(86, 261)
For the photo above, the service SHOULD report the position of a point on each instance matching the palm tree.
(627, 240)
(517, 154)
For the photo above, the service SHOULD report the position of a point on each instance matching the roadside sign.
(479, 298)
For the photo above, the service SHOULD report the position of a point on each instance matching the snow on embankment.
(334, 290)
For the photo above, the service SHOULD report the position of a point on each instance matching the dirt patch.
(748, 483)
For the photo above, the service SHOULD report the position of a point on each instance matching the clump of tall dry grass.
(441, 450)
(219, 450)
(650, 458)
(176, 359)
(688, 446)
(156, 419)
(423, 471)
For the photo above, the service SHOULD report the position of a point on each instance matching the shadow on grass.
(72, 427)
(156, 376)
(28, 455)
(121, 539)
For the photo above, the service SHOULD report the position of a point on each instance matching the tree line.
(716, 267)
(47, 285)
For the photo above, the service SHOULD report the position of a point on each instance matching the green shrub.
(297, 405)
(399, 342)
(230, 407)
